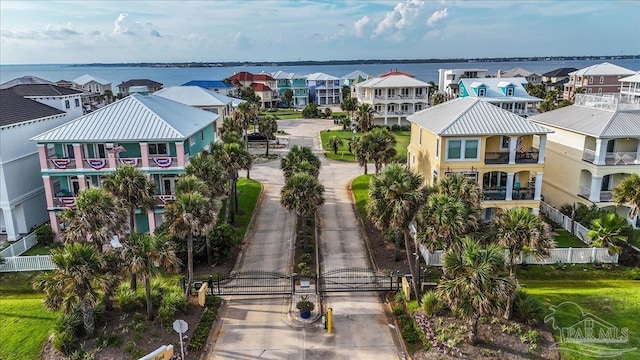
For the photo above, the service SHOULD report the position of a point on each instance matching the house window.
(202, 135)
(378, 108)
(589, 90)
(510, 91)
(590, 79)
(192, 140)
(601, 79)
(419, 91)
(504, 143)
(418, 107)
(404, 92)
(481, 92)
(404, 107)
(77, 102)
(391, 92)
(437, 147)
(599, 91)
(420, 137)
(391, 108)
(67, 104)
(158, 149)
(377, 92)
(462, 149)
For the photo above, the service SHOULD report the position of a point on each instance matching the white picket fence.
(560, 255)
(556, 216)
(15, 262)
(20, 246)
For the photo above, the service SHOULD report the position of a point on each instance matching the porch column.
(55, 225)
(509, 186)
(151, 217)
(180, 153)
(541, 148)
(42, 155)
(11, 223)
(48, 191)
(111, 156)
(601, 151)
(513, 144)
(82, 183)
(144, 154)
(638, 151)
(596, 185)
(538, 190)
(77, 152)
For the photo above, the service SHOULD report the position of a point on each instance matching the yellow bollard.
(329, 320)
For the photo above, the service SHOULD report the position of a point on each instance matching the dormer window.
(510, 91)
(481, 91)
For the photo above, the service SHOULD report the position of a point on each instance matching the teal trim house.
(507, 93)
(294, 82)
(152, 133)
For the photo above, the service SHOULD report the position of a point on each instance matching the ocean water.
(178, 76)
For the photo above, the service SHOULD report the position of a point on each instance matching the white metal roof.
(320, 76)
(494, 92)
(193, 96)
(286, 75)
(633, 78)
(469, 116)
(86, 78)
(515, 72)
(392, 81)
(603, 69)
(355, 74)
(593, 121)
(134, 118)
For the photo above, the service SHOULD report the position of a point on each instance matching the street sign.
(180, 326)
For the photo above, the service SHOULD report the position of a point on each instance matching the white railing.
(565, 221)
(564, 255)
(27, 263)
(20, 246)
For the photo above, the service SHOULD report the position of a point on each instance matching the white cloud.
(400, 19)
(240, 41)
(60, 33)
(361, 24)
(21, 35)
(437, 16)
(124, 26)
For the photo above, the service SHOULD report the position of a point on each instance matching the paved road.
(260, 327)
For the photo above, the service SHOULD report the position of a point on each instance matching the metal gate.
(357, 279)
(255, 282)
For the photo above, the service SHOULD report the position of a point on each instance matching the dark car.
(258, 137)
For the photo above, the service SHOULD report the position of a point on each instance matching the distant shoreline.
(349, 62)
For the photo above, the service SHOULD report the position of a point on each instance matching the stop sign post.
(181, 327)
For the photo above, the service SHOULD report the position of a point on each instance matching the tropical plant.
(246, 113)
(300, 159)
(394, 199)
(231, 124)
(287, 97)
(607, 231)
(268, 126)
(628, 192)
(205, 168)
(437, 98)
(442, 220)
(335, 142)
(527, 308)
(302, 194)
(305, 306)
(458, 185)
(364, 117)
(380, 145)
(146, 255)
(473, 284)
(76, 281)
(233, 157)
(311, 111)
(133, 189)
(349, 105)
(361, 152)
(45, 235)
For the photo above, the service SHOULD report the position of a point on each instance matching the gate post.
(293, 283)
(218, 284)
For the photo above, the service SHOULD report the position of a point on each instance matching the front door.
(168, 185)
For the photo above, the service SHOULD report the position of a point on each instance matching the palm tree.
(458, 185)
(349, 105)
(394, 199)
(268, 126)
(443, 219)
(131, 186)
(380, 144)
(247, 112)
(303, 194)
(361, 152)
(190, 215)
(76, 281)
(364, 116)
(146, 255)
(300, 158)
(97, 217)
(233, 157)
(335, 142)
(607, 231)
(205, 168)
(628, 191)
(473, 283)
(437, 98)
(231, 124)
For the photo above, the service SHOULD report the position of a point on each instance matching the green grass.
(617, 302)
(402, 141)
(248, 192)
(564, 239)
(634, 239)
(360, 189)
(38, 249)
(25, 324)
(577, 272)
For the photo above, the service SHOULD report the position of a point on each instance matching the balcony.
(502, 157)
(64, 202)
(61, 164)
(501, 194)
(163, 162)
(605, 196)
(612, 158)
(164, 200)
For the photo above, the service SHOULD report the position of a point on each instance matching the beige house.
(595, 144)
(490, 145)
(596, 79)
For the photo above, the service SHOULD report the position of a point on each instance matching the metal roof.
(208, 84)
(86, 78)
(559, 72)
(29, 79)
(469, 116)
(355, 74)
(286, 75)
(633, 78)
(392, 81)
(43, 90)
(494, 92)
(515, 72)
(592, 121)
(320, 76)
(134, 118)
(193, 96)
(139, 82)
(603, 69)
(15, 109)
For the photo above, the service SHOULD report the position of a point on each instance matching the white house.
(630, 88)
(448, 79)
(532, 78)
(92, 84)
(324, 89)
(506, 93)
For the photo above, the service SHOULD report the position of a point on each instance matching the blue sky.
(49, 32)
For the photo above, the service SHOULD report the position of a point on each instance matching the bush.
(431, 305)
(223, 238)
(66, 332)
(44, 235)
(127, 299)
(199, 337)
(528, 309)
(311, 111)
(327, 113)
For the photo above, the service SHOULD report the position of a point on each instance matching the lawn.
(25, 324)
(402, 141)
(616, 302)
(248, 192)
(37, 249)
(360, 189)
(564, 239)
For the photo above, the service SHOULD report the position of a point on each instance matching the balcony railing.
(612, 158)
(163, 200)
(501, 194)
(605, 196)
(61, 164)
(494, 194)
(502, 157)
(163, 162)
(64, 202)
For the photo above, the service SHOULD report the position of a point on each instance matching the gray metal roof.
(592, 121)
(469, 116)
(134, 118)
(193, 96)
(43, 90)
(15, 109)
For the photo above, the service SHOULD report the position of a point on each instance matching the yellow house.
(595, 144)
(490, 145)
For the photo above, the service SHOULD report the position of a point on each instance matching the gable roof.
(596, 122)
(286, 75)
(633, 78)
(468, 116)
(356, 74)
(393, 81)
(43, 90)
(29, 79)
(603, 69)
(494, 91)
(260, 87)
(134, 118)
(395, 72)
(193, 96)
(15, 109)
(318, 76)
(559, 72)
(86, 78)
(515, 72)
(139, 82)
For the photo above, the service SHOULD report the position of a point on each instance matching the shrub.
(311, 111)
(223, 238)
(527, 308)
(431, 305)
(44, 235)
(66, 331)
(327, 113)
(199, 337)
(127, 299)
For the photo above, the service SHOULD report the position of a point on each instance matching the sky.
(62, 32)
